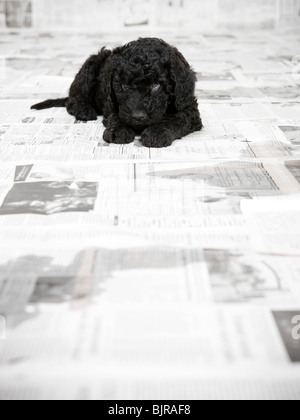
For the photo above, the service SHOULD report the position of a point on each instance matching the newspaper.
(52, 135)
(135, 273)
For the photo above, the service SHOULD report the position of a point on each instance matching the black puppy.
(145, 88)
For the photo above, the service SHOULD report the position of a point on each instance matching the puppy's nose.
(139, 116)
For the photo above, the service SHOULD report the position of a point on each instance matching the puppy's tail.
(51, 103)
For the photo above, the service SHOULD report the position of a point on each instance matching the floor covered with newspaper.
(130, 273)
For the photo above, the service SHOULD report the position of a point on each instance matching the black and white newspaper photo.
(149, 202)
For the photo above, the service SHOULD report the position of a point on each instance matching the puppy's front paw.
(120, 135)
(157, 137)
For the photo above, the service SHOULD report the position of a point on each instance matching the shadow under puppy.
(144, 88)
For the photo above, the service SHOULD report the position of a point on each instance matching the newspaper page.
(135, 273)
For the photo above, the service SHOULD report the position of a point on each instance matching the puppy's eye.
(125, 88)
(155, 87)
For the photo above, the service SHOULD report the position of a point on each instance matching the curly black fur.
(145, 87)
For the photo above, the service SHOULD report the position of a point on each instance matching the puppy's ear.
(184, 80)
(111, 105)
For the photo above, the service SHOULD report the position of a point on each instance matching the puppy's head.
(148, 77)
(141, 84)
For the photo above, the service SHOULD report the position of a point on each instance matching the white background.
(116, 14)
